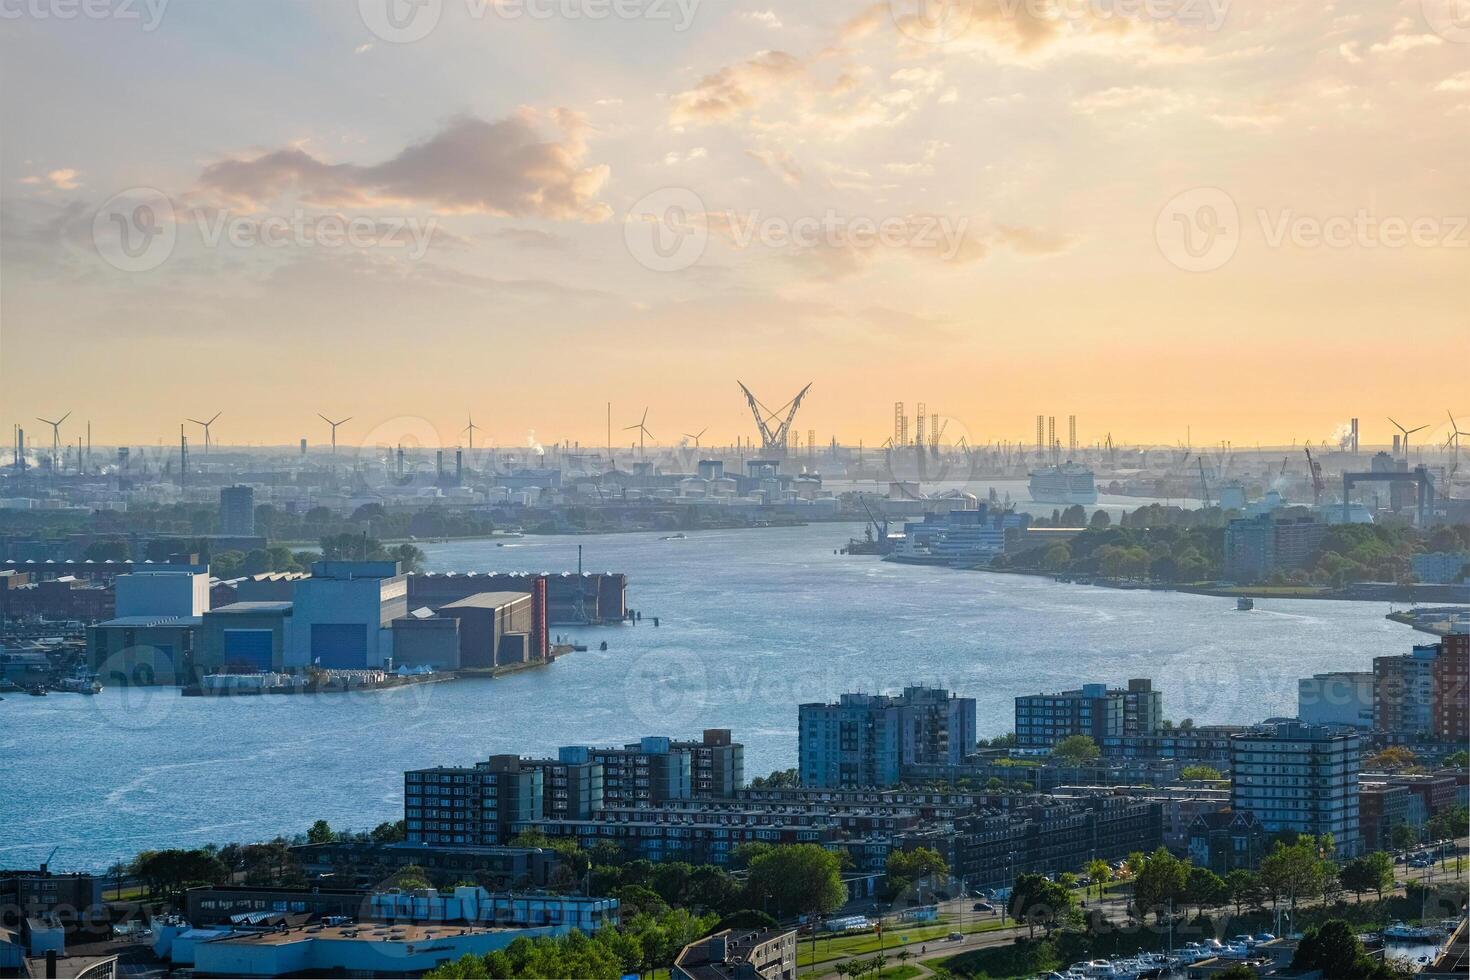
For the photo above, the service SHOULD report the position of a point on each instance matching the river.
(753, 622)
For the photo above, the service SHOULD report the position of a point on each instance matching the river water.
(753, 622)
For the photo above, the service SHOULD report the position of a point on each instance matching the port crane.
(1315, 468)
(1204, 486)
(773, 440)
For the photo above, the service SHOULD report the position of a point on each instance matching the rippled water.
(752, 623)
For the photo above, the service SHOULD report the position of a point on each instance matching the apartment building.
(867, 739)
(1302, 778)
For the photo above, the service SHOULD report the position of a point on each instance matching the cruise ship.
(1069, 483)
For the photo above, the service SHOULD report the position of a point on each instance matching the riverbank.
(1455, 594)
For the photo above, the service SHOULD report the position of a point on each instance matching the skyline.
(542, 213)
(366, 431)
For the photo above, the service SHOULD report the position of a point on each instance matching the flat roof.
(246, 608)
(488, 600)
(146, 621)
(364, 932)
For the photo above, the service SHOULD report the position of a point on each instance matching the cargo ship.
(1069, 483)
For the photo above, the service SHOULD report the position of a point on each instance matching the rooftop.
(137, 622)
(250, 608)
(488, 600)
(359, 931)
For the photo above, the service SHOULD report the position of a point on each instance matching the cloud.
(61, 180)
(1455, 83)
(471, 166)
(533, 238)
(780, 163)
(765, 18)
(736, 88)
(1400, 43)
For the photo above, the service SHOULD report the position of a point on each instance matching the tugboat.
(79, 685)
(1244, 605)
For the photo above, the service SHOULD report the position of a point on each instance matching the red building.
(1451, 682)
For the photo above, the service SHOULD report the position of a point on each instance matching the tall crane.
(773, 439)
(1204, 486)
(1318, 484)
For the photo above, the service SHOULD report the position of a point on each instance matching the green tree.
(1403, 837)
(1246, 890)
(1295, 871)
(1161, 880)
(1199, 772)
(1205, 889)
(907, 867)
(1334, 950)
(1076, 750)
(1100, 872)
(389, 832)
(1037, 901)
(320, 833)
(797, 879)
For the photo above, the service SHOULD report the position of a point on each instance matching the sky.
(1238, 220)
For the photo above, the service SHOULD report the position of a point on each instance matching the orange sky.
(1249, 227)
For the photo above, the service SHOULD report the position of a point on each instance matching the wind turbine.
(207, 441)
(696, 436)
(472, 428)
(1455, 434)
(1407, 433)
(334, 428)
(642, 428)
(55, 437)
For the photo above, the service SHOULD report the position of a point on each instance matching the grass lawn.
(893, 938)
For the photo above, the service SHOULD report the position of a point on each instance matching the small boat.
(79, 685)
(1244, 605)
(39, 691)
(674, 537)
(1400, 931)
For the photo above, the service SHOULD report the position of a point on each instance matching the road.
(1113, 907)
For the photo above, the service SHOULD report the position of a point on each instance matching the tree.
(1199, 772)
(1245, 890)
(1403, 837)
(1334, 950)
(1038, 901)
(1381, 867)
(1391, 759)
(1205, 889)
(1076, 750)
(1100, 872)
(112, 549)
(780, 779)
(906, 867)
(797, 879)
(1459, 760)
(1160, 881)
(409, 878)
(320, 833)
(1295, 871)
(1356, 877)
(389, 832)
(1236, 971)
